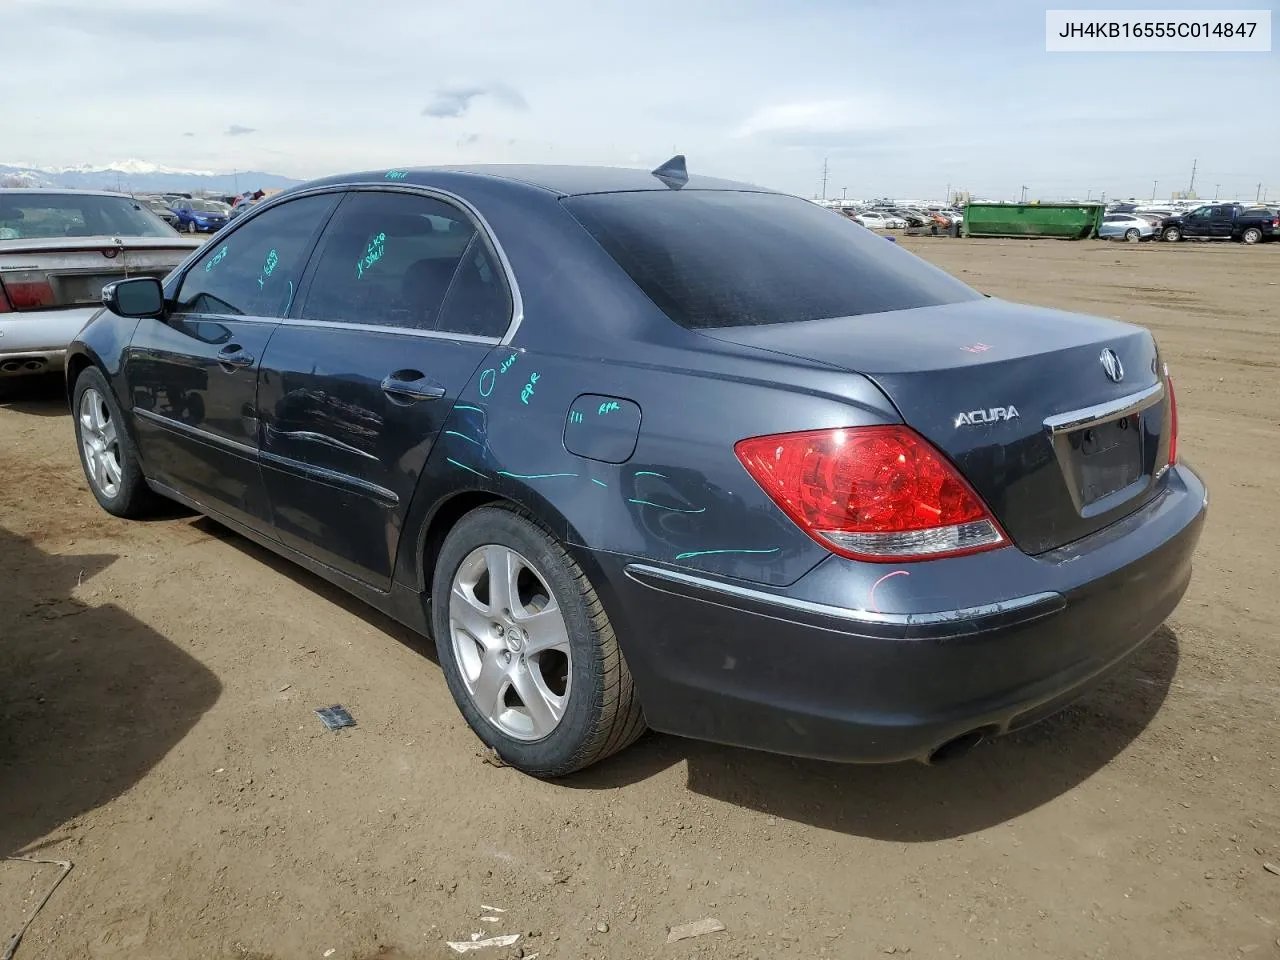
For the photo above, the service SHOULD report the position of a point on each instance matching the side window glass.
(255, 271)
(387, 259)
(479, 303)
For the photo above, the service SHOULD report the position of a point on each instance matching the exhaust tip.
(33, 365)
(11, 366)
(956, 747)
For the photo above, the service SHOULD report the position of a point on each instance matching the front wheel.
(1172, 234)
(107, 453)
(191, 226)
(526, 647)
(1251, 235)
(1133, 235)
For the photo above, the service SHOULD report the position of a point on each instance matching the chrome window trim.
(379, 328)
(437, 193)
(1102, 412)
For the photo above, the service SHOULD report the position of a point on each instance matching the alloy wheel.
(510, 642)
(101, 444)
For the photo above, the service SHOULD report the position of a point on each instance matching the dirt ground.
(157, 682)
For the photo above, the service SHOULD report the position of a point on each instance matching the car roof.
(58, 191)
(564, 181)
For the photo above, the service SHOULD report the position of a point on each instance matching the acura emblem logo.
(1112, 365)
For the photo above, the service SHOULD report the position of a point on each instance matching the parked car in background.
(878, 220)
(241, 208)
(201, 216)
(1223, 221)
(1126, 226)
(57, 250)
(157, 206)
(740, 484)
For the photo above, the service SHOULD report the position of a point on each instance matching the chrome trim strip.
(377, 328)
(331, 477)
(312, 436)
(1101, 412)
(195, 433)
(868, 617)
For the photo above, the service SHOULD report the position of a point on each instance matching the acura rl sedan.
(652, 450)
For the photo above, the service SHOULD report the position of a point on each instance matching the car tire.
(1251, 235)
(585, 705)
(107, 453)
(1172, 234)
(191, 227)
(1133, 235)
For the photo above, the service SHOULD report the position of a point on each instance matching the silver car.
(57, 250)
(1127, 226)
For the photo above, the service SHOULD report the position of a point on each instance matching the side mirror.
(137, 297)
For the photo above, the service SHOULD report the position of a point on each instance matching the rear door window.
(389, 260)
(254, 271)
(726, 258)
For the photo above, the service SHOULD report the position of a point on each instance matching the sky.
(900, 98)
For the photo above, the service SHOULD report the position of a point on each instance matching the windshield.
(48, 215)
(711, 258)
(208, 206)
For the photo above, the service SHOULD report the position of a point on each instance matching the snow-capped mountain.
(138, 176)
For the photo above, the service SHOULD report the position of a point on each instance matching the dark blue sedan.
(652, 450)
(201, 216)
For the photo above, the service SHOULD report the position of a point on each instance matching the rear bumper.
(41, 336)
(817, 670)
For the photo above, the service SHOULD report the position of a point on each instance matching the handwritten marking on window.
(707, 553)
(527, 392)
(609, 407)
(372, 254)
(217, 259)
(397, 174)
(506, 364)
(268, 267)
(575, 417)
(487, 379)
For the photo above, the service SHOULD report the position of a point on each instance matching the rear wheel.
(1133, 235)
(191, 226)
(106, 450)
(1251, 235)
(1172, 234)
(526, 647)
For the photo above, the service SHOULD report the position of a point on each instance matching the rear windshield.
(725, 259)
(26, 216)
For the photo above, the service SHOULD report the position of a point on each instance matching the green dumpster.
(1069, 221)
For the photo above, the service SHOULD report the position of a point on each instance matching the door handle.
(412, 390)
(233, 355)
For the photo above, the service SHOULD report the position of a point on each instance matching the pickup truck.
(1223, 221)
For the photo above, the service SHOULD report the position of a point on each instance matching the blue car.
(200, 216)
(657, 450)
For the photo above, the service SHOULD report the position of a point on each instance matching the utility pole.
(844, 193)
(1154, 184)
(1258, 196)
(1191, 188)
(1103, 198)
(824, 178)
(1215, 192)
(1024, 194)
(947, 199)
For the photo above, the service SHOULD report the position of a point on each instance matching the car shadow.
(911, 802)
(90, 698)
(319, 586)
(40, 395)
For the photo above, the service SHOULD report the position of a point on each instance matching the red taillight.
(1173, 419)
(4, 300)
(31, 292)
(872, 493)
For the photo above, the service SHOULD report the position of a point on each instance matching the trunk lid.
(53, 273)
(1019, 397)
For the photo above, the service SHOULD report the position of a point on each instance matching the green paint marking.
(533, 476)
(396, 174)
(455, 433)
(600, 483)
(663, 506)
(464, 467)
(707, 553)
(217, 259)
(372, 254)
(650, 473)
(467, 406)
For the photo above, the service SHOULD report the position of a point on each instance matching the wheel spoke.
(99, 416)
(86, 420)
(109, 433)
(503, 569)
(110, 467)
(545, 630)
(543, 706)
(91, 464)
(489, 686)
(466, 611)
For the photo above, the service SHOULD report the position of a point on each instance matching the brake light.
(1173, 419)
(4, 300)
(32, 292)
(878, 493)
